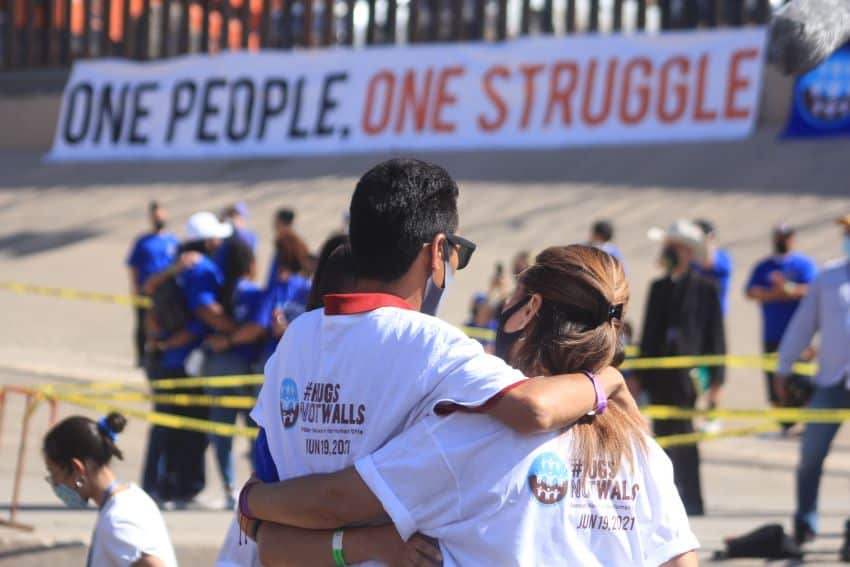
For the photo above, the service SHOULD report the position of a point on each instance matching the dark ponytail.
(79, 437)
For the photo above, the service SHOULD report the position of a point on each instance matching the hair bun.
(116, 422)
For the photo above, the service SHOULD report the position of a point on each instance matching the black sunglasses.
(464, 247)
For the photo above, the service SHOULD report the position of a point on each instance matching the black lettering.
(85, 90)
(336, 393)
(208, 109)
(248, 108)
(294, 130)
(270, 110)
(140, 111)
(327, 103)
(115, 116)
(361, 414)
(180, 111)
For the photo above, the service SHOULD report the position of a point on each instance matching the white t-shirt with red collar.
(493, 497)
(346, 380)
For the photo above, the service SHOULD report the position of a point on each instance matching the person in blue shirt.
(718, 263)
(236, 352)
(152, 252)
(237, 216)
(284, 219)
(481, 322)
(175, 463)
(286, 298)
(779, 283)
(601, 235)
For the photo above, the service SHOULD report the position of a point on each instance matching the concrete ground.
(71, 226)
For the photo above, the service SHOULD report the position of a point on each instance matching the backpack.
(169, 307)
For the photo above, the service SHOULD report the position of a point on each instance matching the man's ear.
(437, 259)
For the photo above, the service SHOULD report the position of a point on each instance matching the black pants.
(676, 388)
(175, 468)
(685, 464)
(140, 337)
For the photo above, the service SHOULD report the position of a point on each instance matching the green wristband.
(336, 549)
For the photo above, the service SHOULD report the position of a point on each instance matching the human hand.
(780, 388)
(418, 551)
(187, 259)
(219, 343)
(279, 323)
(777, 279)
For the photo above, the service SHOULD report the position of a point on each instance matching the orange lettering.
(561, 94)
(445, 98)
(737, 83)
(702, 114)
(370, 126)
(495, 98)
(607, 88)
(418, 106)
(528, 74)
(632, 118)
(680, 90)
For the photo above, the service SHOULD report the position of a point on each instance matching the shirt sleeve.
(755, 279)
(462, 375)
(134, 258)
(808, 271)
(670, 534)
(255, 309)
(201, 289)
(427, 504)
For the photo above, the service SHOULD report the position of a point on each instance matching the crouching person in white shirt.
(598, 493)
(130, 531)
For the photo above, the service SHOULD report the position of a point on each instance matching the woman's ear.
(529, 311)
(78, 469)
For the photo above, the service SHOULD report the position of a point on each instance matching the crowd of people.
(209, 317)
(361, 378)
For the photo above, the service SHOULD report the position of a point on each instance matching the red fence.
(38, 33)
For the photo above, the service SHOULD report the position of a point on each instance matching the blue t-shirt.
(720, 273)
(290, 296)
(151, 253)
(776, 315)
(200, 285)
(248, 308)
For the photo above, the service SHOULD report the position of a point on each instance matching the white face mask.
(434, 295)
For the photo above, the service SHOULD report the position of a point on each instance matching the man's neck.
(402, 288)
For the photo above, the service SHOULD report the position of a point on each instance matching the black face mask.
(158, 225)
(505, 340)
(780, 246)
(670, 259)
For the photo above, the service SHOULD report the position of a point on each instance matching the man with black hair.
(346, 379)
(151, 253)
(601, 235)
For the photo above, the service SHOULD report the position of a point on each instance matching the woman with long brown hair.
(598, 493)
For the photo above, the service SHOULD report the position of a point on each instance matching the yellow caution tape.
(213, 382)
(163, 419)
(760, 362)
(693, 438)
(65, 293)
(797, 415)
(235, 402)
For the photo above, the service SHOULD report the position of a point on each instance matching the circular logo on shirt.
(288, 402)
(548, 478)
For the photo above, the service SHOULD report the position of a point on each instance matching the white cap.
(684, 232)
(205, 225)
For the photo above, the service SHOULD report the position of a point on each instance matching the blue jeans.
(225, 364)
(817, 439)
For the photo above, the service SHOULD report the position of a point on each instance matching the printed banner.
(821, 103)
(527, 93)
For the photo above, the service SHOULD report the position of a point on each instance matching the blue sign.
(821, 101)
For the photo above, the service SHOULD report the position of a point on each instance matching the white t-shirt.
(129, 526)
(345, 380)
(493, 497)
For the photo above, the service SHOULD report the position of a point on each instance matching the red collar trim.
(352, 303)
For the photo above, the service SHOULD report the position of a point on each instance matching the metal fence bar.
(480, 19)
(457, 20)
(570, 16)
(617, 20)
(329, 23)
(547, 15)
(392, 15)
(641, 15)
(502, 24)
(164, 28)
(86, 31)
(307, 20)
(593, 21)
(183, 28)
(525, 18)
(413, 21)
(370, 23)
(349, 23)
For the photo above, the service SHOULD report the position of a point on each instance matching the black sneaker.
(802, 533)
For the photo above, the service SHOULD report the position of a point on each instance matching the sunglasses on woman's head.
(464, 247)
